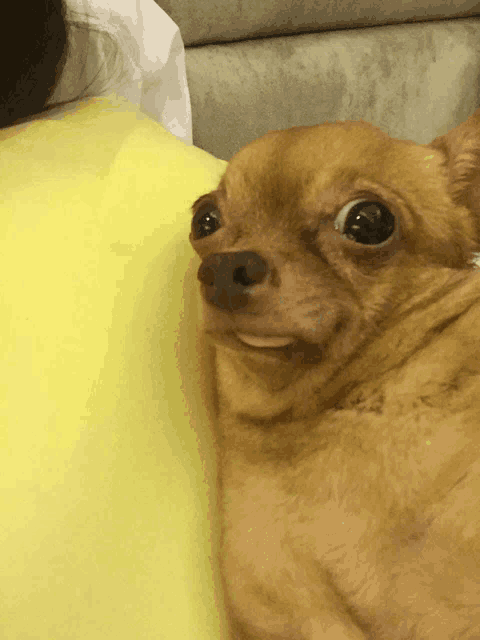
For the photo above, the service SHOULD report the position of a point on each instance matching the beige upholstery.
(411, 70)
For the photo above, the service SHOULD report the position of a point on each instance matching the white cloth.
(146, 65)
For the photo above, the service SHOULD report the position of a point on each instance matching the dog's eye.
(366, 222)
(205, 221)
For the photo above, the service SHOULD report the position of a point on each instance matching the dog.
(342, 299)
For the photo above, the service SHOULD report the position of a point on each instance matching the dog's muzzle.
(227, 278)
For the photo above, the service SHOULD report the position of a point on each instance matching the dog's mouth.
(262, 342)
(284, 348)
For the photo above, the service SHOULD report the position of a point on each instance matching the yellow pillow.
(107, 467)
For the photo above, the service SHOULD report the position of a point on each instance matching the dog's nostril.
(249, 274)
(206, 274)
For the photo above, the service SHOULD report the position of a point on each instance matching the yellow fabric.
(106, 460)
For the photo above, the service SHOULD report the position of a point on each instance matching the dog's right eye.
(205, 221)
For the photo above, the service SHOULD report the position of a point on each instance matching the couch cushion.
(414, 81)
(224, 21)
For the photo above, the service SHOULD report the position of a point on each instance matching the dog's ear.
(461, 148)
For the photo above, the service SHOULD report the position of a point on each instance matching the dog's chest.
(346, 511)
(312, 521)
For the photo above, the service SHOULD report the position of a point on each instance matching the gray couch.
(411, 68)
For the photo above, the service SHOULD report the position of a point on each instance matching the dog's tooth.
(265, 341)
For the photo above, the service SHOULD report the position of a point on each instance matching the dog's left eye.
(366, 222)
(205, 221)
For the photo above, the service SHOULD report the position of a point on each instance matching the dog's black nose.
(227, 275)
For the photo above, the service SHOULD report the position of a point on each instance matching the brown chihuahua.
(343, 302)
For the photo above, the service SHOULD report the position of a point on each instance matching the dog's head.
(317, 236)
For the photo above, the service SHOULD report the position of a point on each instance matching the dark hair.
(34, 56)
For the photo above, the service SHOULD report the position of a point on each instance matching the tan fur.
(350, 472)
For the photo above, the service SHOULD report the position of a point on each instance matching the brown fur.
(350, 460)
